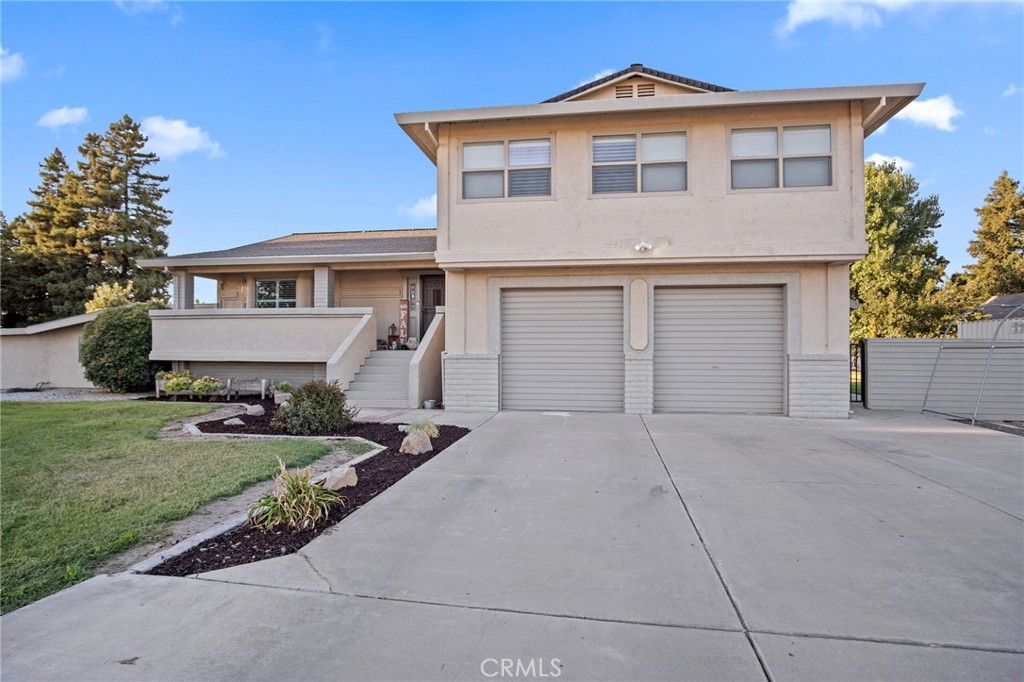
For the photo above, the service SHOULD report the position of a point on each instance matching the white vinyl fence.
(897, 372)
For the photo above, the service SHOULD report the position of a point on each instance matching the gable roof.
(637, 69)
(316, 246)
(1005, 306)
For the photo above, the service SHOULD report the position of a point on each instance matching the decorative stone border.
(237, 520)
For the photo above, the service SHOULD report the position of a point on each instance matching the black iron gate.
(857, 375)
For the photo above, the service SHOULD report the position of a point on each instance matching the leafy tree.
(998, 247)
(22, 290)
(109, 296)
(898, 283)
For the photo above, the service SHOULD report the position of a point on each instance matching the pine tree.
(898, 283)
(998, 247)
(124, 219)
(23, 297)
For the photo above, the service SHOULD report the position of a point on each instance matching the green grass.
(80, 482)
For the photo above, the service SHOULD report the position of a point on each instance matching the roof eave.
(176, 262)
(896, 97)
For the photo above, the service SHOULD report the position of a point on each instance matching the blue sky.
(274, 118)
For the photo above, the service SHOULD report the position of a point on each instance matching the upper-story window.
(805, 156)
(643, 162)
(275, 293)
(508, 168)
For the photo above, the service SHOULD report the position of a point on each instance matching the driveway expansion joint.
(892, 640)
(714, 564)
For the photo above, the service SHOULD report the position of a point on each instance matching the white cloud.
(12, 65)
(937, 112)
(56, 72)
(879, 159)
(423, 209)
(856, 14)
(1011, 91)
(65, 116)
(989, 130)
(599, 74)
(170, 138)
(135, 7)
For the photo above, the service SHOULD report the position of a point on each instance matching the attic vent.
(622, 91)
(645, 90)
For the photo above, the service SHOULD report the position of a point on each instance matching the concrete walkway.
(656, 548)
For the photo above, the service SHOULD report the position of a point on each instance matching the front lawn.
(80, 482)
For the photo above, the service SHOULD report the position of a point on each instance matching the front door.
(433, 296)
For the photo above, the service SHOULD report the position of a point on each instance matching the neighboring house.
(644, 242)
(44, 354)
(1005, 319)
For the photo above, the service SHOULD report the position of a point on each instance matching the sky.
(272, 118)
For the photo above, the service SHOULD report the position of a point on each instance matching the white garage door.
(718, 349)
(561, 349)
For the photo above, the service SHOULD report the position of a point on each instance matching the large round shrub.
(316, 408)
(115, 349)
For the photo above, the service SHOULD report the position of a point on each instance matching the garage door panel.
(718, 349)
(562, 349)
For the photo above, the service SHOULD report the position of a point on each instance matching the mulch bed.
(246, 544)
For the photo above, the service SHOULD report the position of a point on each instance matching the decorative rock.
(285, 405)
(255, 410)
(342, 477)
(234, 421)
(282, 398)
(416, 444)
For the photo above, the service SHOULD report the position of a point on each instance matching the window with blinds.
(508, 168)
(275, 293)
(804, 158)
(640, 162)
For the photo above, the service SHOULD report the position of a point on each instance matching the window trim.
(780, 157)
(639, 163)
(277, 300)
(460, 171)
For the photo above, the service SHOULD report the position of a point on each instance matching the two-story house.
(642, 243)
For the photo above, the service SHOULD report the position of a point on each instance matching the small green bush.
(115, 349)
(284, 387)
(295, 502)
(206, 385)
(177, 381)
(316, 408)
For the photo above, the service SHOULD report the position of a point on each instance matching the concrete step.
(396, 356)
(384, 370)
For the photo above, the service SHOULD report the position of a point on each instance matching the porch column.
(321, 287)
(184, 291)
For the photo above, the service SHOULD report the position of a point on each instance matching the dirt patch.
(246, 544)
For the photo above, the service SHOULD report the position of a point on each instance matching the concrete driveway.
(609, 547)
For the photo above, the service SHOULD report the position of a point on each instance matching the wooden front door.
(433, 296)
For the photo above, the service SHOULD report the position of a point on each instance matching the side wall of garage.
(813, 331)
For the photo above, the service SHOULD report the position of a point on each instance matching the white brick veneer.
(639, 385)
(819, 386)
(471, 382)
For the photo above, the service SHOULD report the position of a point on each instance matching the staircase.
(383, 381)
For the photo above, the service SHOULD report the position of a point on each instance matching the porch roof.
(319, 247)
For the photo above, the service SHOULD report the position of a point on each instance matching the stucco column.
(184, 291)
(321, 287)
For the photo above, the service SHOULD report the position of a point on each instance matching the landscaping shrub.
(296, 502)
(206, 385)
(115, 349)
(177, 381)
(316, 408)
(283, 387)
(424, 425)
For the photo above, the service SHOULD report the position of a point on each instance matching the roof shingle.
(640, 69)
(367, 242)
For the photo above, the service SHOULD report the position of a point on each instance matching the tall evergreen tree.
(87, 227)
(998, 246)
(124, 218)
(898, 283)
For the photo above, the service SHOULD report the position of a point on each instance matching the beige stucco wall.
(285, 335)
(50, 356)
(816, 296)
(707, 223)
(377, 289)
